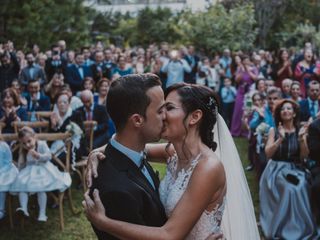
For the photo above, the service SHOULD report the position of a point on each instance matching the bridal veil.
(238, 222)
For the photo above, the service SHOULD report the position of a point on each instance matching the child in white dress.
(8, 173)
(39, 175)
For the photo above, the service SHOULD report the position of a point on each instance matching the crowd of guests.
(272, 98)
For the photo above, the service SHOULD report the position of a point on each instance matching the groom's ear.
(195, 117)
(137, 120)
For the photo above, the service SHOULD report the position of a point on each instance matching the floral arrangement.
(76, 133)
(74, 129)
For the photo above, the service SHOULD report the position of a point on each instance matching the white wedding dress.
(235, 217)
(171, 190)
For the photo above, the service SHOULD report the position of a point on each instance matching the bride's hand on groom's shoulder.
(92, 166)
(94, 209)
(215, 236)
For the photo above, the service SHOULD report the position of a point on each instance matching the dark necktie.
(143, 160)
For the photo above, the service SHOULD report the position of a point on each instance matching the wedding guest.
(305, 70)
(246, 75)
(283, 67)
(228, 96)
(37, 175)
(285, 211)
(54, 86)
(295, 91)
(11, 110)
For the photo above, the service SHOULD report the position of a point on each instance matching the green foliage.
(44, 22)
(300, 35)
(155, 26)
(217, 28)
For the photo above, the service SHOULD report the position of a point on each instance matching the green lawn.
(77, 227)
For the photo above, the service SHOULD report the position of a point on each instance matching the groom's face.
(155, 115)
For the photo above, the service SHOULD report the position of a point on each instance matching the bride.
(201, 194)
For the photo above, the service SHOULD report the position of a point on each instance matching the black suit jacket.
(314, 140)
(305, 110)
(126, 193)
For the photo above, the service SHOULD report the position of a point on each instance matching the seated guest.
(261, 86)
(101, 99)
(11, 110)
(102, 89)
(266, 116)
(60, 121)
(75, 101)
(259, 116)
(32, 71)
(77, 72)
(37, 101)
(285, 211)
(122, 68)
(310, 106)
(60, 117)
(97, 113)
(295, 91)
(88, 84)
(54, 86)
(15, 84)
(285, 87)
(99, 68)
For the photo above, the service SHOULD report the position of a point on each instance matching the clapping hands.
(281, 131)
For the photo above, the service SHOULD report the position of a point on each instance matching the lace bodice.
(172, 188)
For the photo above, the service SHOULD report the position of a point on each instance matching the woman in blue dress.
(285, 211)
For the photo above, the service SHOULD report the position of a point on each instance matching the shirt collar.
(133, 155)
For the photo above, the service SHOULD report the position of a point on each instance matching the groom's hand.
(92, 166)
(94, 209)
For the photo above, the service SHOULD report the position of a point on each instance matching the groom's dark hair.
(127, 96)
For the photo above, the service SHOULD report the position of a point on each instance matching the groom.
(127, 184)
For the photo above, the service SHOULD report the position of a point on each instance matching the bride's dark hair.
(195, 97)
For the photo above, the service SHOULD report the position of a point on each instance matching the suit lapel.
(124, 164)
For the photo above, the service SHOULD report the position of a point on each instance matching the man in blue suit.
(32, 71)
(37, 101)
(309, 107)
(76, 73)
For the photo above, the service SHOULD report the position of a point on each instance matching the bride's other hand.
(215, 236)
(94, 209)
(92, 166)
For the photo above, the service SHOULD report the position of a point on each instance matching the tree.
(155, 26)
(44, 22)
(266, 15)
(218, 28)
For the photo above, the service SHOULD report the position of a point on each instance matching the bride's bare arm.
(92, 164)
(159, 152)
(205, 188)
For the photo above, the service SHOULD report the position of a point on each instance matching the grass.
(77, 227)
